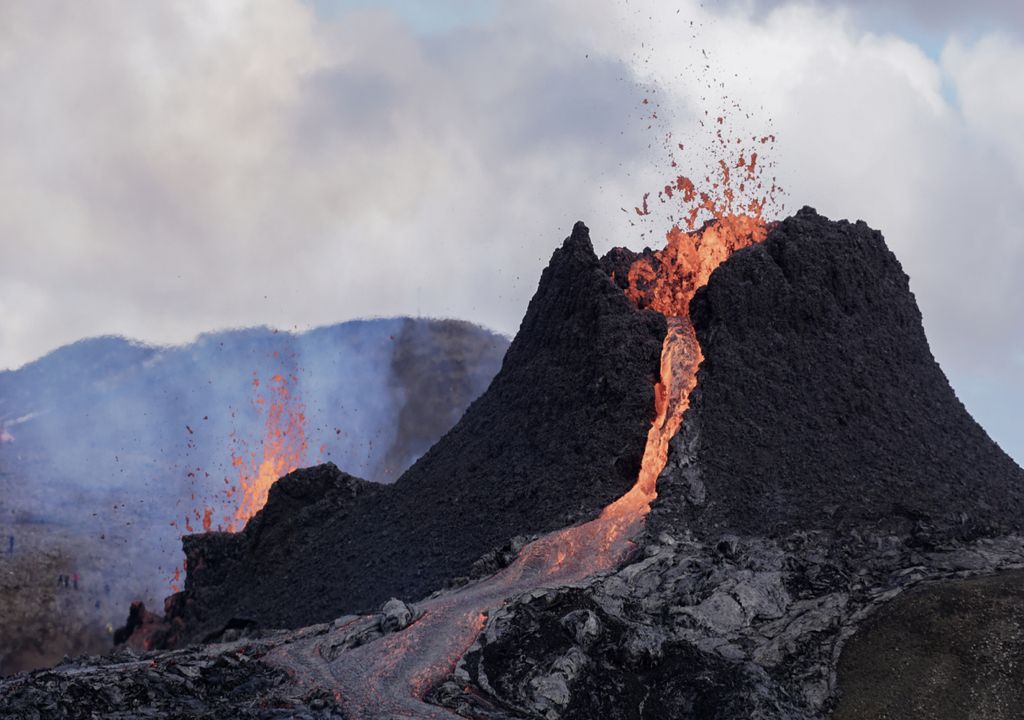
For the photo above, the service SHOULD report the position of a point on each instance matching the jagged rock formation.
(557, 436)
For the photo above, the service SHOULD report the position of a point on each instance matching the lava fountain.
(283, 450)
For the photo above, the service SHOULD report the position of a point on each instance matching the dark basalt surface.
(942, 651)
(557, 436)
(819, 404)
(199, 686)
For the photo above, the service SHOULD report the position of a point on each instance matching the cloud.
(169, 168)
(437, 16)
(928, 16)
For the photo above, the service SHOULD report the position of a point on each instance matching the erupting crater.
(283, 450)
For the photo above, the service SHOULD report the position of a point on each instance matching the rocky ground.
(215, 681)
(735, 629)
(947, 650)
(741, 628)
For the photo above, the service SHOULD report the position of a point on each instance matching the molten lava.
(283, 450)
(666, 280)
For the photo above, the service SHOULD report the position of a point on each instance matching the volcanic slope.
(819, 404)
(557, 436)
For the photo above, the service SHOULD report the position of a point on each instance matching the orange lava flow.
(283, 450)
(666, 281)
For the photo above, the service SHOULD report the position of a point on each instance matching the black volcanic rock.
(557, 436)
(942, 651)
(819, 404)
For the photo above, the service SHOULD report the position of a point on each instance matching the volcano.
(697, 475)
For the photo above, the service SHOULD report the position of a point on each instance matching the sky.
(169, 168)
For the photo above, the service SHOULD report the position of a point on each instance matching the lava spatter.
(283, 449)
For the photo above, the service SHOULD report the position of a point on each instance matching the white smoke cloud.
(169, 168)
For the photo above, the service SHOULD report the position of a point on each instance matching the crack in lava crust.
(388, 678)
